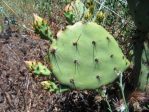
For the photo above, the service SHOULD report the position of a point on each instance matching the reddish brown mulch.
(19, 92)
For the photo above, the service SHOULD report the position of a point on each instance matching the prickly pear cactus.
(144, 76)
(86, 56)
(41, 27)
(78, 10)
(140, 12)
(74, 11)
(38, 68)
(100, 16)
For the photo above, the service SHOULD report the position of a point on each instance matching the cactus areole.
(86, 56)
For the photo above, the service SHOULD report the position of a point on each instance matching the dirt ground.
(20, 91)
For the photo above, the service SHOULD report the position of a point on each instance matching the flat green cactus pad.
(144, 76)
(86, 56)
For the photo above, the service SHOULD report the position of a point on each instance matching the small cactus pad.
(41, 27)
(38, 68)
(75, 8)
(144, 76)
(140, 12)
(86, 56)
